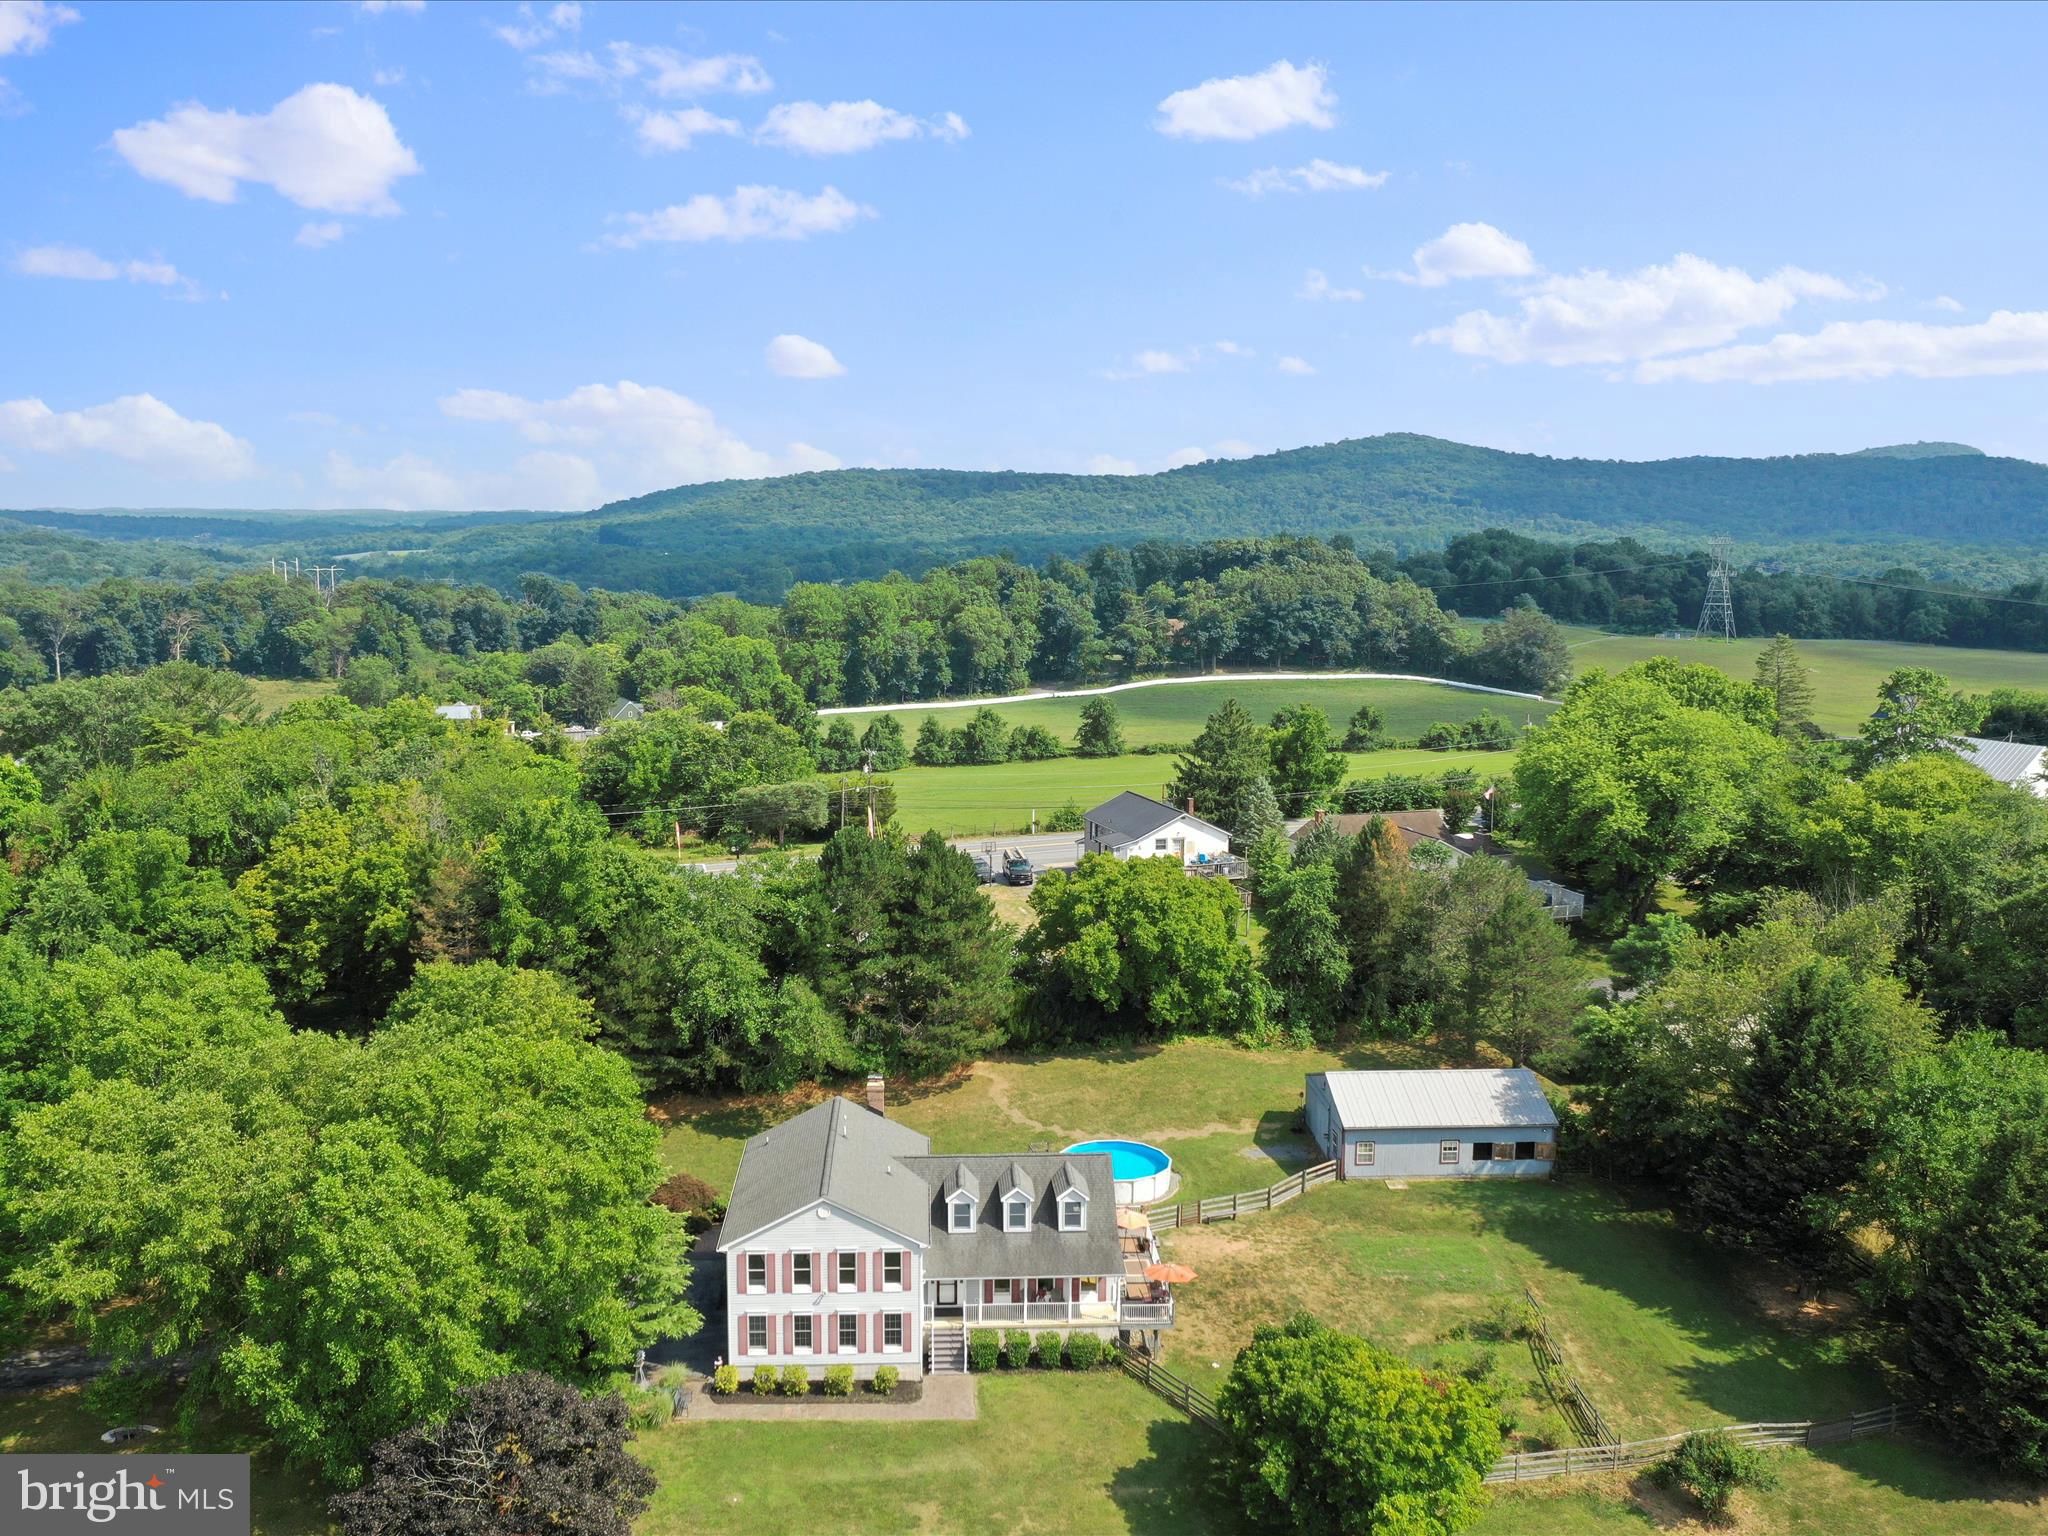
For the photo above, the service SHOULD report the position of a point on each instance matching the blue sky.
(472, 255)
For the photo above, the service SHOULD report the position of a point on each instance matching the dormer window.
(962, 1213)
(1073, 1214)
(1016, 1213)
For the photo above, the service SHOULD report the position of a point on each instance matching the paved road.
(1169, 682)
(1048, 850)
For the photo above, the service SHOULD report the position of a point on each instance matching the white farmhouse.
(1134, 826)
(1487, 1123)
(2018, 763)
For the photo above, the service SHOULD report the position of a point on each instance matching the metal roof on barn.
(1470, 1099)
(2009, 762)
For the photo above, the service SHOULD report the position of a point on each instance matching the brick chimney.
(877, 1098)
(1191, 805)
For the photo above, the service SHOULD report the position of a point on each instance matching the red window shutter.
(789, 1271)
(860, 1333)
(768, 1272)
(878, 1269)
(832, 1270)
(789, 1333)
(903, 1323)
(988, 1292)
(817, 1272)
(831, 1333)
(739, 1346)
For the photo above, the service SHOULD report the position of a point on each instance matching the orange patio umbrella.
(1169, 1274)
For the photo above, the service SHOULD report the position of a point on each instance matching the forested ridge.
(1952, 514)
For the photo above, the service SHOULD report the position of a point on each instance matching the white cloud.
(847, 127)
(324, 147)
(26, 25)
(379, 7)
(666, 132)
(641, 436)
(1945, 304)
(1316, 286)
(1229, 448)
(1246, 106)
(411, 482)
(1156, 360)
(751, 213)
(529, 29)
(798, 357)
(1316, 176)
(1464, 251)
(2007, 343)
(677, 76)
(1597, 317)
(1110, 464)
(139, 429)
(393, 76)
(1299, 366)
(314, 236)
(80, 264)
(1160, 362)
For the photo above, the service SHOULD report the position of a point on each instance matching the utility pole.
(1717, 616)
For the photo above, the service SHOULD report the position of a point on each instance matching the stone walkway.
(945, 1397)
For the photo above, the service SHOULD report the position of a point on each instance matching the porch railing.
(1128, 1314)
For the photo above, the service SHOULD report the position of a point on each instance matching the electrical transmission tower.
(1717, 615)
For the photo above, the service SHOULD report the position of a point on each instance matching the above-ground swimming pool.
(1143, 1173)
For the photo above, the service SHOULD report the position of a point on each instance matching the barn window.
(1525, 1151)
(1503, 1151)
(1362, 1154)
(1447, 1152)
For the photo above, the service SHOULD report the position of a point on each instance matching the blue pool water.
(1127, 1159)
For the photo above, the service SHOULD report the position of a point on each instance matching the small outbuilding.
(1484, 1123)
(1134, 826)
(2018, 763)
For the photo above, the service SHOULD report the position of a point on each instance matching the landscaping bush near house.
(885, 1379)
(725, 1380)
(690, 1198)
(983, 1346)
(1068, 818)
(1084, 1351)
(1710, 1466)
(838, 1381)
(1050, 1343)
(647, 1408)
(1016, 1347)
(764, 1380)
(796, 1381)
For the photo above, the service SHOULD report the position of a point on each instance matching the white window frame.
(958, 1206)
(1159, 845)
(803, 1273)
(1363, 1153)
(1004, 1293)
(764, 1347)
(849, 1332)
(849, 1270)
(892, 1320)
(1450, 1153)
(1073, 1213)
(895, 1257)
(1010, 1221)
(757, 1287)
(804, 1324)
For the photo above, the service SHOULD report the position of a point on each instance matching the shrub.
(647, 1408)
(838, 1381)
(796, 1381)
(1050, 1343)
(1710, 1466)
(725, 1380)
(885, 1379)
(983, 1344)
(1068, 818)
(1035, 744)
(1016, 1347)
(764, 1380)
(690, 1198)
(1084, 1351)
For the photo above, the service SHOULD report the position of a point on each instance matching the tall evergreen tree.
(1218, 769)
(1781, 673)
(1263, 837)
(1380, 909)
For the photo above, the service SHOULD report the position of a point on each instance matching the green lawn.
(1845, 672)
(274, 693)
(1174, 713)
(1001, 797)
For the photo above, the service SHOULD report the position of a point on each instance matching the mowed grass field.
(1001, 797)
(1173, 712)
(1846, 673)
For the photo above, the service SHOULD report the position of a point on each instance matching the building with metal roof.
(1478, 1123)
(2018, 763)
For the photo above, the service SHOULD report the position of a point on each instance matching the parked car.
(984, 868)
(1016, 868)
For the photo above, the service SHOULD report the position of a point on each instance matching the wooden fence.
(1587, 1420)
(1578, 1460)
(1195, 1213)
(1184, 1395)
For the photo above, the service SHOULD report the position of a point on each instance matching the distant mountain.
(1946, 508)
(1920, 451)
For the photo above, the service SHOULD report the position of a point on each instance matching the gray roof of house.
(1042, 1250)
(1130, 816)
(2009, 762)
(840, 1152)
(1474, 1099)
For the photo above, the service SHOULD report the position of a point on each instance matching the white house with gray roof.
(1134, 826)
(2018, 763)
(1487, 1123)
(847, 1242)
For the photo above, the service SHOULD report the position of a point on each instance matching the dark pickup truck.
(1016, 868)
